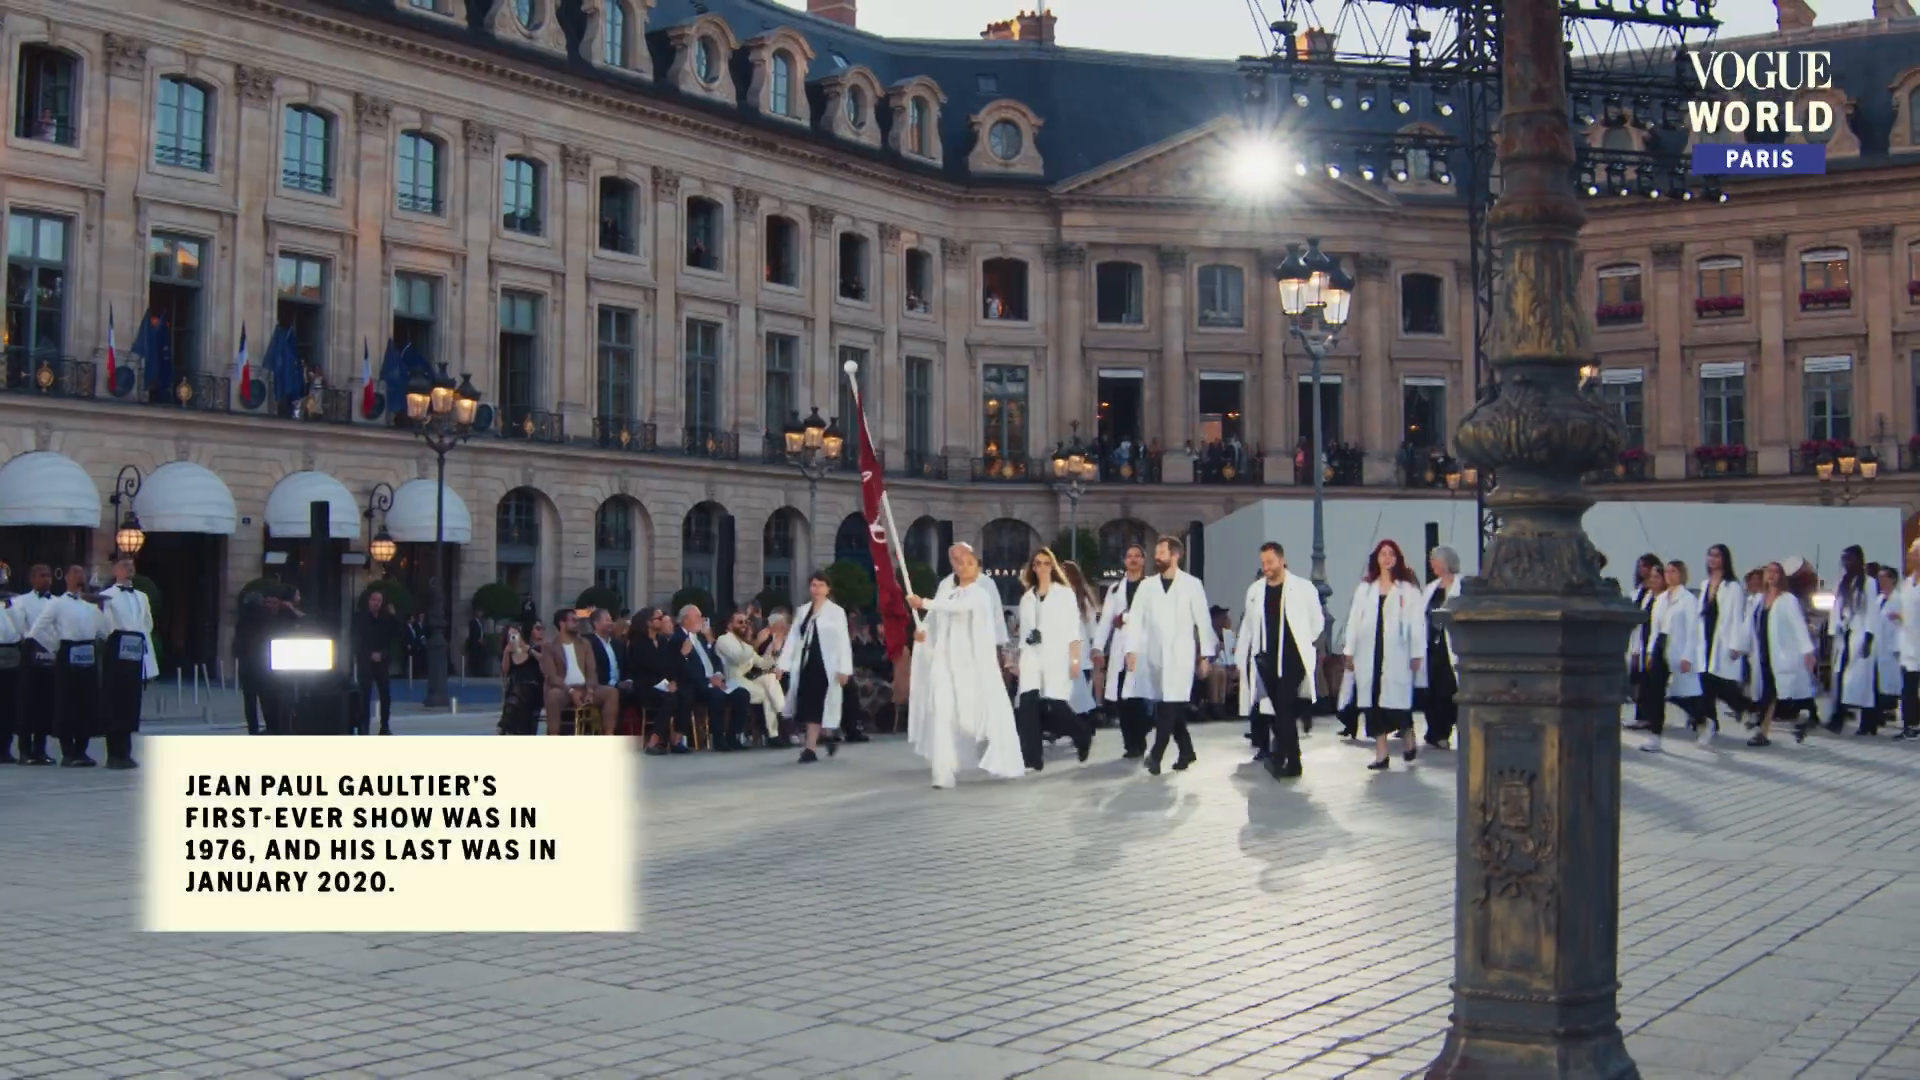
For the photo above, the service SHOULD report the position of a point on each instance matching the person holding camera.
(1049, 659)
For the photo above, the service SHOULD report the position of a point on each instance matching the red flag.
(895, 623)
(366, 381)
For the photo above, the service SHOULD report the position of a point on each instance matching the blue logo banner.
(1743, 159)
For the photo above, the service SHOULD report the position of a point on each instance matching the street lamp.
(442, 415)
(1073, 470)
(814, 446)
(1314, 282)
(1844, 475)
(128, 537)
(381, 549)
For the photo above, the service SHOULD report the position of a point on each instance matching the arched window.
(1117, 536)
(777, 554)
(1006, 544)
(918, 119)
(706, 60)
(180, 131)
(613, 550)
(856, 106)
(1003, 289)
(780, 88)
(614, 37)
(850, 542)
(48, 108)
(520, 196)
(306, 151)
(706, 552)
(516, 542)
(417, 181)
(523, 10)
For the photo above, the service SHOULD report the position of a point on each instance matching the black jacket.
(375, 634)
(603, 655)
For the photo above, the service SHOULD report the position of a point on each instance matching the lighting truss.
(1343, 91)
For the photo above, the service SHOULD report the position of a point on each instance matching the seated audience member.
(572, 675)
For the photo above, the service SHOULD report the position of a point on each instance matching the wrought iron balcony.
(533, 425)
(419, 202)
(201, 392)
(1425, 467)
(1250, 469)
(1003, 470)
(1807, 456)
(620, 433)
(324, 405)
(1143, 467)
(711, 443)
(49, 375)
(1345, 466)
(303, 179)
(1635, 466)
(1722, 463)
(183, 157)
(922, 465)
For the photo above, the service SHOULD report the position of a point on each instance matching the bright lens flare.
(1256, 166)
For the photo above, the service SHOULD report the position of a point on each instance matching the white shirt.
(1225, 653)
(575, 677)
(66, 618)
(613, 662)
(706, 658)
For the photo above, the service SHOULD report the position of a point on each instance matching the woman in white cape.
(958, 715)
(1783, 657)
(818, 661)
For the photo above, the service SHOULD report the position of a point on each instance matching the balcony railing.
(1001, 470)
(709, 443)
(49, 375)
(306, 180)
(58, 130)
(1720, 307)
(1826, 299)
(1634, 466)
(533, 425)
(1626, 314)
(620, 433)
(201, 392)
(183, 157)
(324, 405)
(419, 202)
(1142, 467)
(922, 465)
(1345, 466)
(1249, 469)
(1722, 463)
(1807, 455)
(1424, 467)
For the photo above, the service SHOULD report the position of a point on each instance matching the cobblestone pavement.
(846, 921)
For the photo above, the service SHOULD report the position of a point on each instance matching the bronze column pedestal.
(1541, 637)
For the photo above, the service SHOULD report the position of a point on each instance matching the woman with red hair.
(1385, 640)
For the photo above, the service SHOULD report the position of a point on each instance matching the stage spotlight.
(1364, 95)
(1398, 95)
(1438, 171)
(1617, 179)
(1583, 111)
(1443, 97)
(1333, 95)
(1298, 84)
(1587, 182)
(1397, 167)
(1255, 167)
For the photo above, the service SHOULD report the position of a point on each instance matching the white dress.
(958, 715)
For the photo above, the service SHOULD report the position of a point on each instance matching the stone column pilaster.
(1379, 400)
(1767, 412)
(123, 243)
(1668, 306)
(1879, 376)
(372, 192)
(253, 305)
(663, 411)
(750, 352)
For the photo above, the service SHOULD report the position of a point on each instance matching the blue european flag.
(1748, 159)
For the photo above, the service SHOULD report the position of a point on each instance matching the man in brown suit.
(572, 675)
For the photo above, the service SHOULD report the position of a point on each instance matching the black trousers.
(1909, 700)
(1720, 691)
(123, 685)
(1170, 722)
(1135, 721)
(1651, 708)
(726, 713)
(1033, 715)
(671, 711)
(10, 704)
(375, 679)
(1279, 734)
(259, 702)
(35, 720)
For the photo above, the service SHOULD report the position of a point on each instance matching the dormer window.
(706, 60)
(613, 35)
(1005, 140)
(918, 117)
(777, 65)
(856, 107)
(532, 23)
(780, 85)
(914, 111)
(523, 13)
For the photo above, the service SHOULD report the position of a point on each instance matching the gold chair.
(586, 720)
(700, 738)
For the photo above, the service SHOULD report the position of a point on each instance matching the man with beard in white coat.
(1170, 634)
(1110, 649)
(1279, 626)
(958, 715)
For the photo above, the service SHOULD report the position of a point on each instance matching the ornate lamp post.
(1315, 283)
(381, 549)
(1074, 470)
(128, 536)
(814, 446)
(1540, 635)
(441, 413)
(1844, 475)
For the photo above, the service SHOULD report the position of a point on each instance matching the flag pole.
(852, 369)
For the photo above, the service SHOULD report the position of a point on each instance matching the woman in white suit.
(1437, 681)
(1049, 658)
(1856, 631)
(1724, 623)
(1783, 657)
(1679, 648)
(818, 661)
(1886, 651)
(1385, 642)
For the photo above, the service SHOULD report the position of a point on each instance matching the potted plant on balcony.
(1633, 462)
(1712, 306)
(1618, 313)
(1825, 298)
(1720, 458)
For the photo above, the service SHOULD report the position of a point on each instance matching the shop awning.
(410, 521)
(289, 507)
(45, 488)
(182, 497)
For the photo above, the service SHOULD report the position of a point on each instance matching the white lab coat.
(1730, 630)
(1300, 609)
(1676, 616)
(1110, 636)
(836, 654)
(1886, 646)
(1404, 639)
(1170, 632)
(1081, 700)
(1790, 645)
(1907, 604)
(1050, 667)
(1640, 642)
(1453, 659)
(1855, 628)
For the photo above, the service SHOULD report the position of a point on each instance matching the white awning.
(289, 508)
(410, 520)
(45, 488)
(182, 497)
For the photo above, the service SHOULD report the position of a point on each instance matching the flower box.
(1708, 307)
(1618, 313)
(1825, 298)
(1813, 447)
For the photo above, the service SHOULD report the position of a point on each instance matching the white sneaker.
(1652, 745)
(1706, 735)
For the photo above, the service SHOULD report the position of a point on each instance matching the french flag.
(241, 369)
(113, 354)
(366, 381)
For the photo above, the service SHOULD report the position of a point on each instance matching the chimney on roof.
(1026, 26)
(840, 11)
(1892, 9)
(1794, 15)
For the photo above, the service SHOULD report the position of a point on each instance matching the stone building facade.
(652, 231)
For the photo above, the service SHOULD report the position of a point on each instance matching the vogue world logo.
(1754, 94)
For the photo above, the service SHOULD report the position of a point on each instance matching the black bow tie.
(124, 588)
(42, 594)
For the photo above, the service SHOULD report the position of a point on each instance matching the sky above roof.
(1215, 29)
